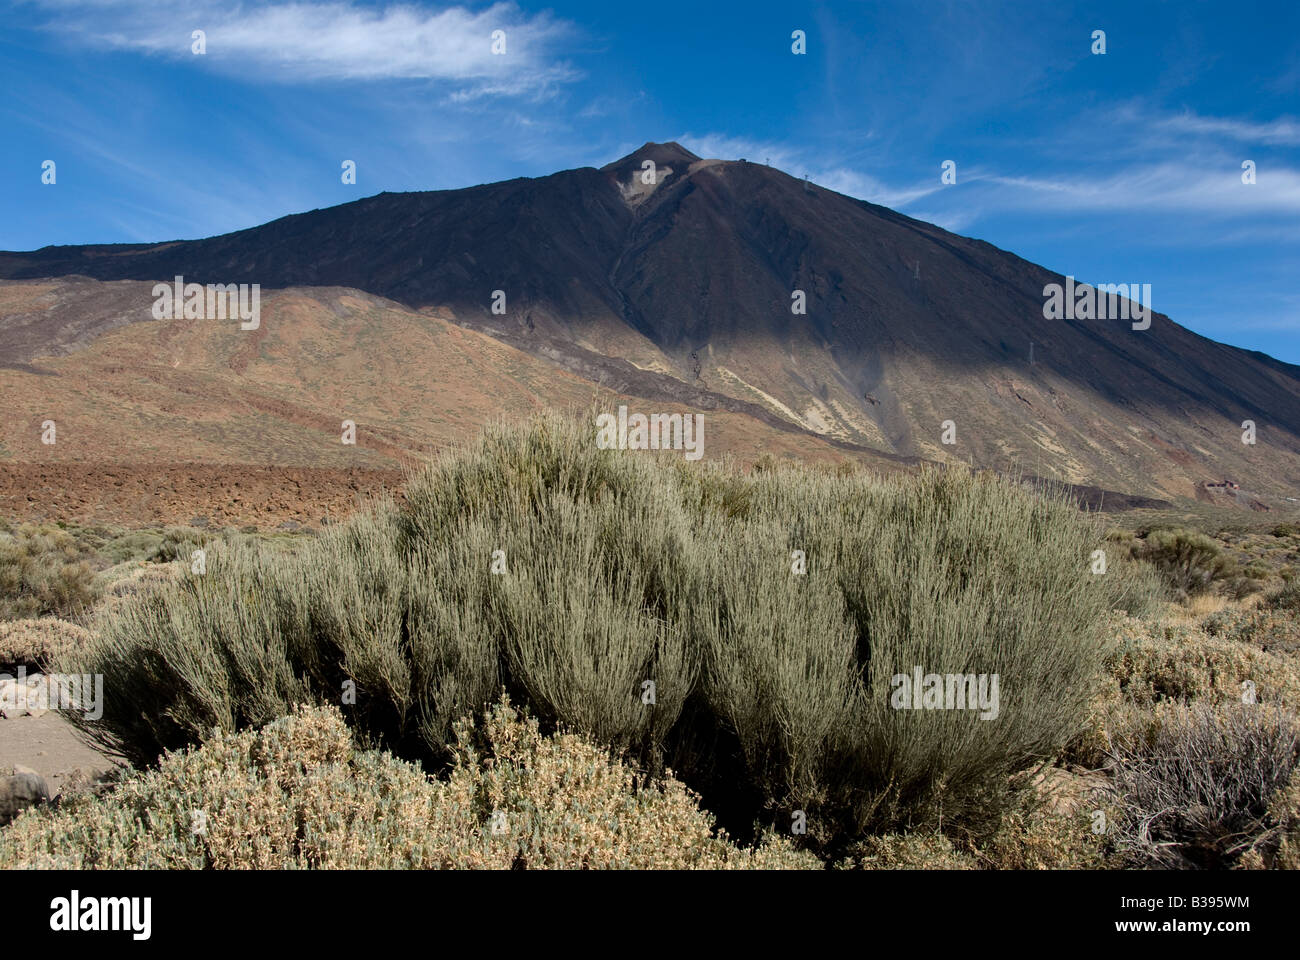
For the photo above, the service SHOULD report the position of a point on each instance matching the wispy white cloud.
(1170, 187)
(313, 40)
(793, 160)
(1281, 132)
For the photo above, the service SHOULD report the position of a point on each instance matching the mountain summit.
(734, 283)
(643, 171)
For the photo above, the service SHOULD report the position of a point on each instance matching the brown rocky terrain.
(185, 422)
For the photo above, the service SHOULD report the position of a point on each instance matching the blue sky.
(1123, 167)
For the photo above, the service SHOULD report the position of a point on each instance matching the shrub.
(912, 851)
(1279, 849)
(297, 794)
(954, 572)
(1155, 661)
(1286, 598)
(1198, 792)
(771, 687)
(1043, 840)
(1135, 586)
(1189, 561)
(1239, 588)
(1256, 571)
(178, 543)
(1272, 624)
(43, 572)
(38, 643)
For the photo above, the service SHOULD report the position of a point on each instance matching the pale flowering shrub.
(297, 794)
(39, 641)
(906, 851)
(563, 803)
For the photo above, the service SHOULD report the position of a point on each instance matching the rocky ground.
(40, 751)
(49, 747)
(199, 495)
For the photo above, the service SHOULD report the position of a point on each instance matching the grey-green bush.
(44, 571)
(1190, 562)
(771, 687)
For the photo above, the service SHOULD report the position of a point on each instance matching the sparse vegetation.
(43, 572)
(770, 610)
(298, 794)
(1190, 562)
(36, 643)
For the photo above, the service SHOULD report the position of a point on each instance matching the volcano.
(728, 286)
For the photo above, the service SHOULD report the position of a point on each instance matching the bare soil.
(195, 494)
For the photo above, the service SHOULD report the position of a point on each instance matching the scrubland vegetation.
(553, 655)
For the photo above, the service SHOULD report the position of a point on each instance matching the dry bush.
(1155, 661)
(1031, 836)
(1190, 562)
(911, 851)
(297, 794)
(1198, 791)
(1136, 587)
(1163, 661)
(1279, 847)
(1035, 835)
(564, 804)
(1273, 624)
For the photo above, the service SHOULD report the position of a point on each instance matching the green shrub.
(1135, 587)
(125, 546)
(1286, 598)
(1189, 561)
(771, 687)
(1238, 588)
(44, 571)
(296, 794)
(177, 543)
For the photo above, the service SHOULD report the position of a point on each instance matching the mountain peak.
(669, 154)
(636, 179)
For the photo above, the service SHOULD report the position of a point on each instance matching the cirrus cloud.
(337, 40)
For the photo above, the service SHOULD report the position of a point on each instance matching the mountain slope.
(685, 283)
(180, 391)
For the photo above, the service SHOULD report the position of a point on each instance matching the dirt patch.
(196, 494)
(49, 745)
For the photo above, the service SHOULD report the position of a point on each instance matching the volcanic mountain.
(671, 278)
